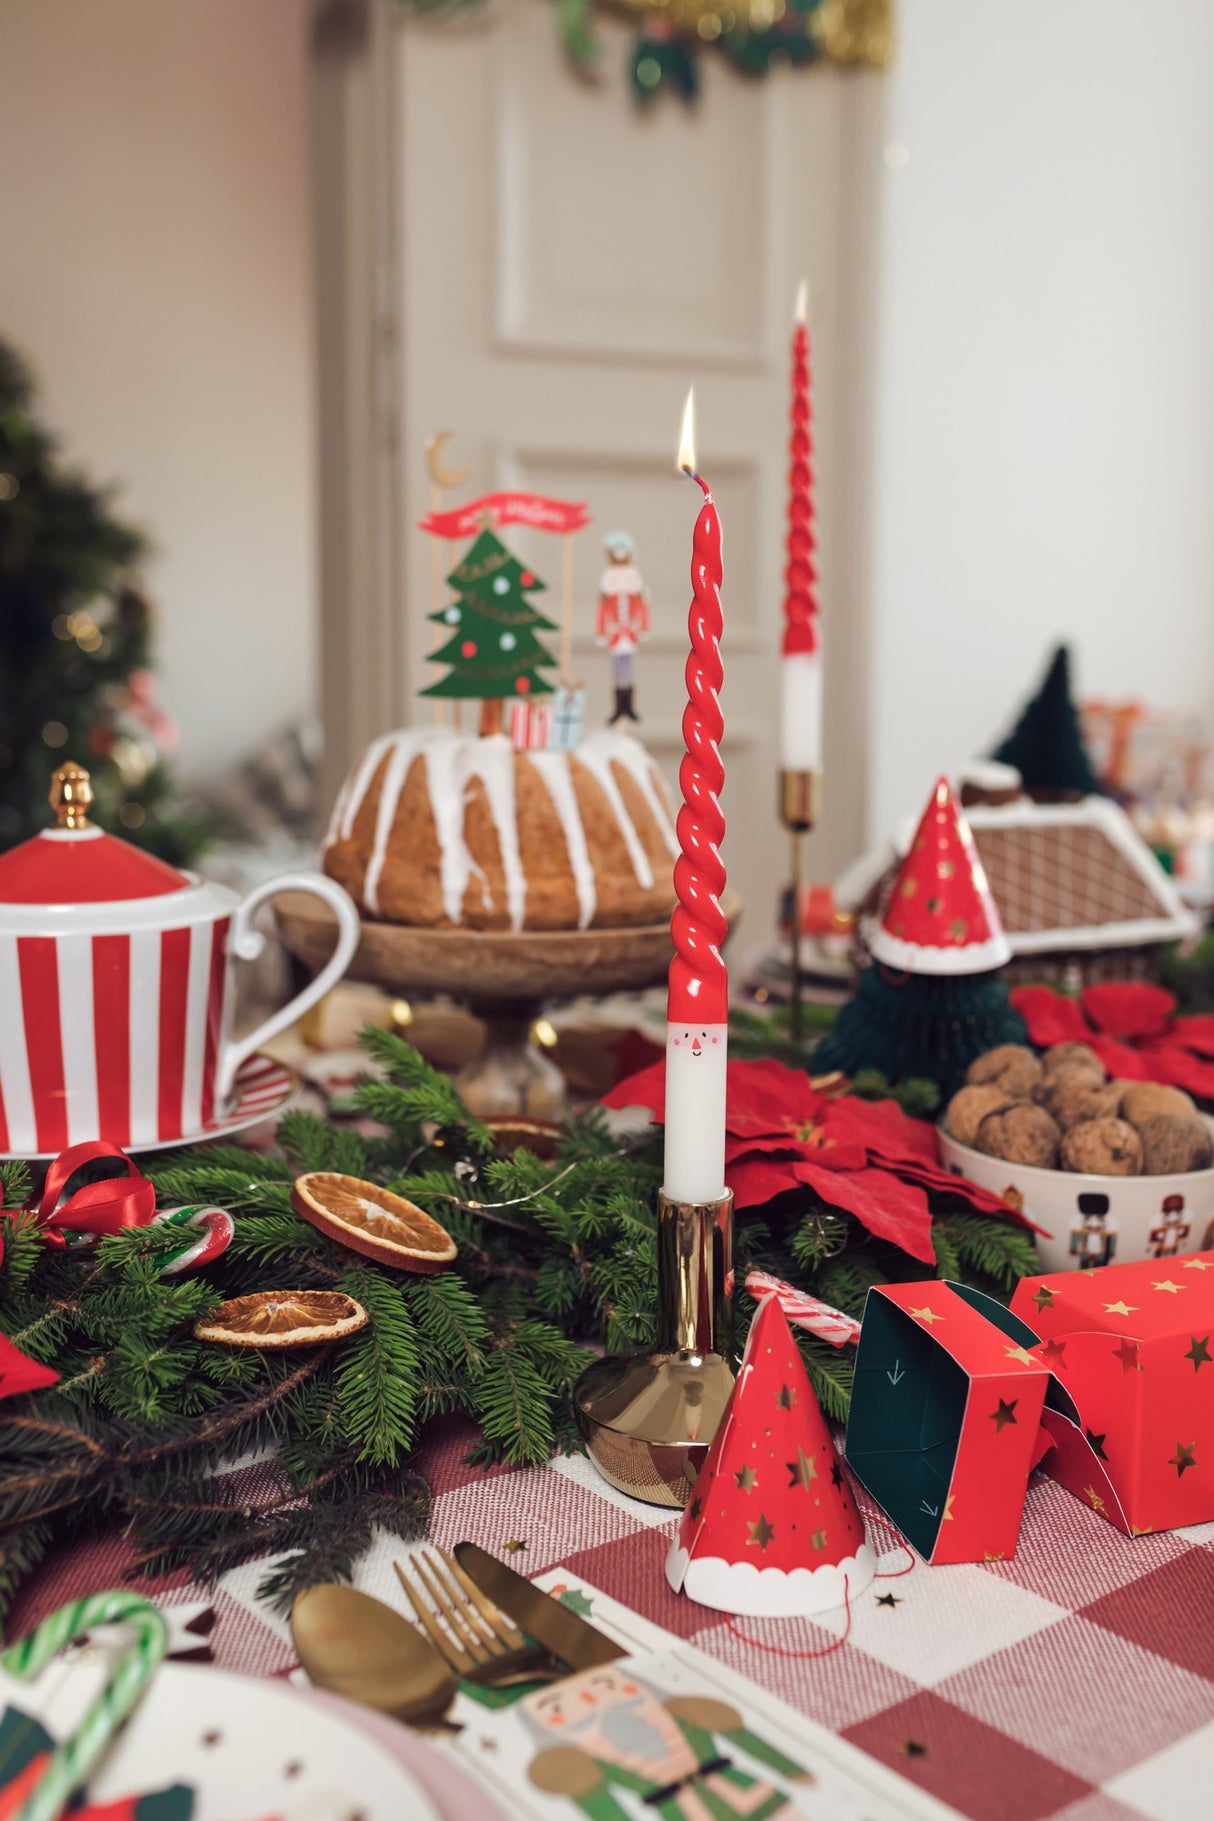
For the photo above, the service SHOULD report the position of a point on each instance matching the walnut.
(1072, 1056)
(1141, 1100)
(1103, 1147)
(1172, 1144)
(1009, 1066)
(1076, 1097)
(1023, 1133)
(969, 1106)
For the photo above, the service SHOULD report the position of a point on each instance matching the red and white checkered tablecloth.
(1074, 1683)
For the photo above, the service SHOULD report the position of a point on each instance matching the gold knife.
(559, 1629)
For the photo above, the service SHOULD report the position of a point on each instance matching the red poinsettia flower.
(1132, 1027)
(867, 1157)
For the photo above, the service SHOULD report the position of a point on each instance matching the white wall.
(1045, 436)
(155, 269)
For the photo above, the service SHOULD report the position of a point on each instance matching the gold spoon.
(358, 1647)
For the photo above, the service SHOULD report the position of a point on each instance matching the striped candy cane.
(69, 1765)
(805, 1311)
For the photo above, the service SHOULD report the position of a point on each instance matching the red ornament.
(468, 649)
(522, 684)
(941, 917)
(772, 1527)
(525, 579)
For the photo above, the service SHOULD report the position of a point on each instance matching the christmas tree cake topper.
(772, 1527)
(493, 651)
(941, 917)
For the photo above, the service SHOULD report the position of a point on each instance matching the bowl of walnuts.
(1109, 1170)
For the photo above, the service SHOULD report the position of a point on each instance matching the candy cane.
(69, 1765)
(214, 1226)
(805, 1311)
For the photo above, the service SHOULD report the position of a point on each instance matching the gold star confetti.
(761, 1532)
(1127, 1353)
(1183, 1458)
(1093, 1498)
(888, 1599)
(744, 1479)
(1121, 1308)
(1022, 1354)
(818, 1540)
(801, 1471)
(1045, 1297)
(515, 1544)
(1004, 1414)
(1170, 1287)
(787, 1397)
(1199, 1352)
(927, 1316)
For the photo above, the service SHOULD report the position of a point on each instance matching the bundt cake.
(438, 829)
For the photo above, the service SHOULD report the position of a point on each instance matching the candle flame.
(687, 436)
(803, 301)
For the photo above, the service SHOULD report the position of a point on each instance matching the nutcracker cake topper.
(623, 619)
(772, 1528)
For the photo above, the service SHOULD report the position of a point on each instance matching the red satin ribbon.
(98, 1207)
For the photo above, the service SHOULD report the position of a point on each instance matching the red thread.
(895, 1574)
(777, 1650)
(801, 570)
(699, 984)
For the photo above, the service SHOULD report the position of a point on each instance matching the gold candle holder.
(800, 805)
(649, 1419)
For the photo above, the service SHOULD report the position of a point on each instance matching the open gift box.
(1096, 1375)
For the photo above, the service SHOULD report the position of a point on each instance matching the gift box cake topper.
(945, 1413)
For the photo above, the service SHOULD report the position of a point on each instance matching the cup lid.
(78, 863)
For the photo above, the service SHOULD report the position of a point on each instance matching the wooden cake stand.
(504, 978)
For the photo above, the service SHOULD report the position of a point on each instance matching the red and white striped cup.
(116, 975)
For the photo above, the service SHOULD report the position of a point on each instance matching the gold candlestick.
(648, 1420)
(800, 802)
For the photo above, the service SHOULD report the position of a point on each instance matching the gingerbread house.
(1080, 895)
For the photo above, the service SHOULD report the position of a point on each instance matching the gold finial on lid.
(71, 796)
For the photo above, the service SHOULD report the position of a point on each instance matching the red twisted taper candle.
(801, 545)
(699, 985)
(800, 660)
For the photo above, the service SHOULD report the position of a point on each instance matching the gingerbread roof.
(1063, 876)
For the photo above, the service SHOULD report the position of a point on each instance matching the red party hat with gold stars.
(772, 1528)
(941, 917)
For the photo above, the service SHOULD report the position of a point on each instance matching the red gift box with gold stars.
(945, 1417)
(1130, 1412)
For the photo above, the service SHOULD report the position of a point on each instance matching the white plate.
(248, 1748)
(264, 1089)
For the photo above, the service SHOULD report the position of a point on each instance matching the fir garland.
(144, 1414)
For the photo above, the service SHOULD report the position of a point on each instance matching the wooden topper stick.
(441, 477)
(567, 611)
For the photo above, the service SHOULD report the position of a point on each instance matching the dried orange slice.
(372, 1221)
(283, 1318)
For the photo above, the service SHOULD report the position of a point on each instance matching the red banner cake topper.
(534, 509)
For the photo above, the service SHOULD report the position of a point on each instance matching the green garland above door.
(756, 36)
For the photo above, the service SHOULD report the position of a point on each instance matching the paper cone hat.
(772, 1528)
(941, 918)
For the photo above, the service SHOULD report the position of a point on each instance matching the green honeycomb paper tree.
(492, 652)
(1046, 744)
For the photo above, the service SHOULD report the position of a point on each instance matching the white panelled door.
(564, 266)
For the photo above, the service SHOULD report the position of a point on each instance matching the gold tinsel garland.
(847, 31)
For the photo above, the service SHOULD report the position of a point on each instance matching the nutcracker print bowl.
(1088, 1221)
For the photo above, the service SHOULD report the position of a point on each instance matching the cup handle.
(247, 943)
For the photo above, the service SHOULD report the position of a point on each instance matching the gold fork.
(478, 1641)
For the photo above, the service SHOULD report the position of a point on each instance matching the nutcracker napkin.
(772, 1527)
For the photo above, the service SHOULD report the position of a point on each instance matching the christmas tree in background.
(74, 645)
(1046, 744)
(933, 997)
(493, 651)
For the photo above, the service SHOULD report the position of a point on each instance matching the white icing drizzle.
(641, 768)
(452, 761)
(553, 769)
(492, 761)
(596, 754)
